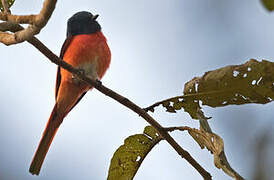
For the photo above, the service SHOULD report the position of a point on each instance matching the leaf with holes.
(268, 4)
(10, 3)
(252, 82)
(215, 145)
(174, 104)
(128, 157)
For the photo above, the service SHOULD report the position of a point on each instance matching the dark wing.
(58, 77)
(78, 100)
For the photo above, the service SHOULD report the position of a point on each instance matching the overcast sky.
(156, 47)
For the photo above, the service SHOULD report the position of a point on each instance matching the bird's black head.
(82, 23)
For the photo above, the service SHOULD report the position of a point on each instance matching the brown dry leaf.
(215, 145)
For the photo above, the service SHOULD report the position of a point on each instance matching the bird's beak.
(95, 17)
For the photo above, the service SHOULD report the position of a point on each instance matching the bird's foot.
(98, 81)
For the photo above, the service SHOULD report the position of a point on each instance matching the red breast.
(87, 49)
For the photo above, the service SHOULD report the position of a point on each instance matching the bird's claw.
(98, 81)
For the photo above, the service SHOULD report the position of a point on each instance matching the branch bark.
(36, 23)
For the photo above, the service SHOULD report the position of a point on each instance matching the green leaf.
(10, 3)
(128, 157)
(252, 82)
(166, 103)
(268, 4)
(178, 105)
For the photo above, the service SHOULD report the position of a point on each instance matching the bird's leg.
(98, 81)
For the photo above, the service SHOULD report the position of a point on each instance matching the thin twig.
(180, 128)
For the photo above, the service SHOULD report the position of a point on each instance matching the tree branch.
(36, 23)
(8, 26)
(39, 20)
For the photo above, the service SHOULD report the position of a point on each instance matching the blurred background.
(156, 47)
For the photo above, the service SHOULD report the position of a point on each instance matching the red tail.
(52, 126)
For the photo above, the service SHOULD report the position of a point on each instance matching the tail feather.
(52, 126)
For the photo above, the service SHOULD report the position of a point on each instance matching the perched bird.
(85, 48)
